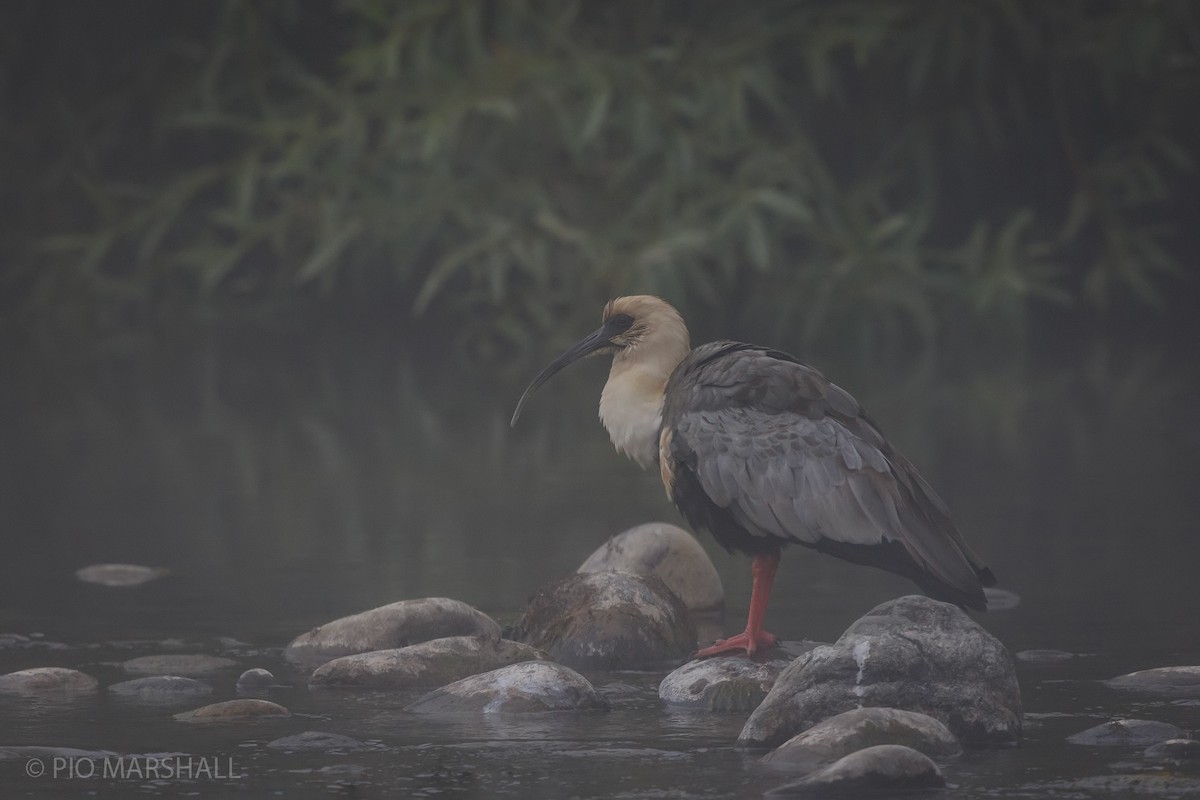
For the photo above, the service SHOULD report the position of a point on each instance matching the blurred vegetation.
(882, 168)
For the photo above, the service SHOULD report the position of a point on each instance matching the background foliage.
(864, 168)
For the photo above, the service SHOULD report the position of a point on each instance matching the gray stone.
(1126, 733)
(48, 754)
(724, 683)
(1001, 599)
(315, 740)
(609, 620)
(119, 575)
(433, 663)
(669, 553)
(189, 664)
(912, 653)
(1156, 784)
(47, 680)
(1046, 656)
(531, 686)
(884, 768)
(388, 627)
(855, 730)
(255, 680)
(1174, 750)
(161, 689)
(243, 710)
(1162, 679)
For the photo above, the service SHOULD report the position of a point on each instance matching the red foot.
(743, 641)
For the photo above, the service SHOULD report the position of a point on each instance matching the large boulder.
(882, 770)
(608, 620)
(912, 653)
(1170, 680)
(49, 680)
(388, 627)
(433, 663)
(861, 728)
(724, 683)
(667, 552)
(530, 686)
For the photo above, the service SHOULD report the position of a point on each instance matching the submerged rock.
(255, 680)
(118, 575)
(884, 768)
(861, 728)
(1046, 656)
(669, 553)
(530, 686)
(161, 689)
(48, 754)
(913, 653)
(392, 626)
(315, 740)
(189, 664)
(1127, 732)
(724, 683)
(433, 663)
(1179, 750)
(234, 711)
(1161, 679)
(48, 680)
(608, 620)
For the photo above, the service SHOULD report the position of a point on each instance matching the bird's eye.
(620, 323)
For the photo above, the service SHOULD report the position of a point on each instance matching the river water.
(285, 480)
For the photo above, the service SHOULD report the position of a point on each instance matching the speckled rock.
(912, 653)
(861, 728)
(119, 575)
(433, 663)
(388, 627)
(1126, 733)
(243, 710)
(255, 680)
(669, 553)
(315, 740)
(190, 664)
(884, 768)
(161, 689)
(530, 686)
(1172, 680)
(48, 680)
(609, 620)
(724, 683)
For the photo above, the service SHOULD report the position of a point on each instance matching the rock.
(1045, 656)
(1161, 679)
(315, 740)
(1001, 599)
(47, 679)
(912, 653)
(1150, 784)
(16, 641)
(388, 627)
(1126, 733)
(161, 689)
(668, 552)
(433, 663)
(859, 729)
(234, 711)
(255, 680)
(884, 768)
(118, 575)
(48, 754)
(608, 620)
(191, 664)
(724, 683)
(1174, 750)
(530, 686)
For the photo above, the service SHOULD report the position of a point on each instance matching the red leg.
(754, 637)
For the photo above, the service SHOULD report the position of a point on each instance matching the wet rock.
(1126, 733)
(608, 620)
(48, 754)
(669, 553)
(1174, 750)
(235, 711)
(1161, 679)
(433, 663)
(724, 683)
(161, 689)
(530, 686)
(912, 653)
(1046, 656)
(884, 768)
(255, 680)
(1001, 599)
(392, 626)
(862, 728)
(316, 740)
(48, 680)
(189, 664)
(1151, 784)
(118, 575)
(17, 641)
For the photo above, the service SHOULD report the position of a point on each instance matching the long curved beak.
(596, 340)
